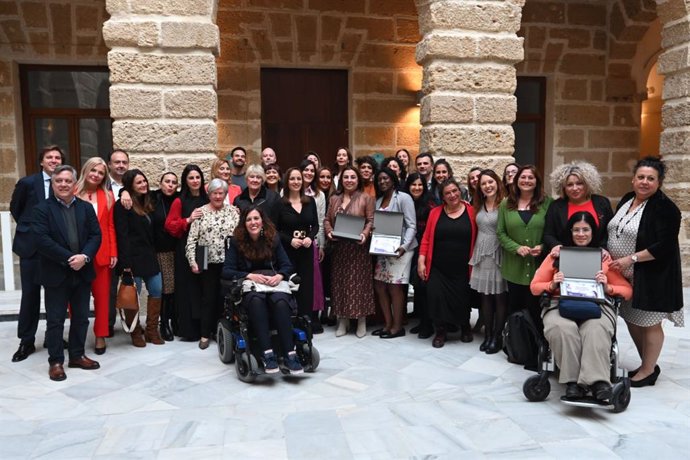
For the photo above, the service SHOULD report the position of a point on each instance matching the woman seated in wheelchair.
(581, 348)
(256, 256)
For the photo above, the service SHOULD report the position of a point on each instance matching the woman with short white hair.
(257, 194)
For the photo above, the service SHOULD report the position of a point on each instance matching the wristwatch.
(634, 258)
(87, 259)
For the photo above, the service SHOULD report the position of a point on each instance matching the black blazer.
(555, 231)
(136, 248)
(48, 226)
(658, 283)
(28, 193)
(267, 200)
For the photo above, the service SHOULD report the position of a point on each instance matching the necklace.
(621, 225)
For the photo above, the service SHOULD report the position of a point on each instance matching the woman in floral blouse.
(218, 220)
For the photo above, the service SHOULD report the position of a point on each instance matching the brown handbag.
(127, 300)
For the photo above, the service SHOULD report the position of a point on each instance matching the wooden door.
(303, 110)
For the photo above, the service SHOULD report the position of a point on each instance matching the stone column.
(163, 81)
(468, 52)
(674, 64)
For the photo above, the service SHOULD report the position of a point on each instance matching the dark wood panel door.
(302, 110)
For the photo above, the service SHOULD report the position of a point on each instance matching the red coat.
(106, 222)
(426, 248)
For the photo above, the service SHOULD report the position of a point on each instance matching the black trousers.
(211, 304)
(266, 309)
(30, 305)
(76, 293)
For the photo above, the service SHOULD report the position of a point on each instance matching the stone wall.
(163, 81)
(374, 39)
(39, 32)
(469, 51)
(586, 50)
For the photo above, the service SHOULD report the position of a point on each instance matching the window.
(530, 121)
(67, 106)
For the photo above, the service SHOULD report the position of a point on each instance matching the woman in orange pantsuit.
(93, 186)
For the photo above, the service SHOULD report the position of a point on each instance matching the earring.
(261, 232)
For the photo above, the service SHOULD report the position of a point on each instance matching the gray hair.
(256, 170)
(586, 172)
(215, 184)
(63, 168)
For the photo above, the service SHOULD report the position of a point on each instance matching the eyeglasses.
(582, 231)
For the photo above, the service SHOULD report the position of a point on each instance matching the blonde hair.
(215, 167)
(584, 171)
(105, 184)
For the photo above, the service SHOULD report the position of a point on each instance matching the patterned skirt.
(352, 283)
(166, 260)
(393, 270)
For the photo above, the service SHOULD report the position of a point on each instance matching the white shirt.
(46, 184)
(116, 187)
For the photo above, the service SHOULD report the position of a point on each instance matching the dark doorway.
(530, 121)
(303, 110)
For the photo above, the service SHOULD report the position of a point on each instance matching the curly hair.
(259, 250)
(584, 171)
(652, 162)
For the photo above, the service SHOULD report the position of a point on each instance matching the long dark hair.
(261, 249)
(304, 164)
(142, 204)
(185, 192)
(478, 198)
(286, 186)
(538, 196)
(434, 184)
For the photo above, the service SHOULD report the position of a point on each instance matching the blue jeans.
(154, 285)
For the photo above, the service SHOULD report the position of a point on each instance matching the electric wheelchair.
(537, 387)
(236, 343)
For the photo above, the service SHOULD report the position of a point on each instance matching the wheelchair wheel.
(312, 363)
(246, 367)
(535, 389)
(226, 352)
(620, 398)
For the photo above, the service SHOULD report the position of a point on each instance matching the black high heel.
(650, 380)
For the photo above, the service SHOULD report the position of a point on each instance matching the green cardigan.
(513, 233)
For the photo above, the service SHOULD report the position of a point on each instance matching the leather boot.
(361, 327)
(495, 345)
(166, 331)
(342, 327)
(136, 334)
(153, 313)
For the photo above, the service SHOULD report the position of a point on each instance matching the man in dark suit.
(28, 193)
(67, 238)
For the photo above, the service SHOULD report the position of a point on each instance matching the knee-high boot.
(166, 310)
(153, 311)
(136, 334)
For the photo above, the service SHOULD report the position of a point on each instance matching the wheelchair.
(537, 387)
(237, 345)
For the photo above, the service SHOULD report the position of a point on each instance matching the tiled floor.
(370, 398)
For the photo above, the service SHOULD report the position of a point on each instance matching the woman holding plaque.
(352, 292)
(392, 272)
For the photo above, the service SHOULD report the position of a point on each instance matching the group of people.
(487, 241)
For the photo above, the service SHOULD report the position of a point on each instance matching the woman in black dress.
(443, 262)
(165, 252)
(298, 224)
(183, 211)
(415, 186)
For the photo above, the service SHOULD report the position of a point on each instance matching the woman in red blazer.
(444, 255)
(93, 187)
